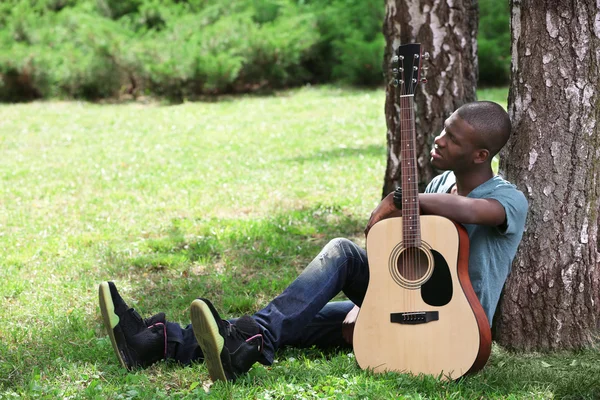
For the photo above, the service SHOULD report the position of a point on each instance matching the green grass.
(496, 94)
(228, 200)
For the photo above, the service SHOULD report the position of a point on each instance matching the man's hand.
(348, 324)
(385, 209)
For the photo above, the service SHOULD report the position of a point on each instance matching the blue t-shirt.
(492, 248)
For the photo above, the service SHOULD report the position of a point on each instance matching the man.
(492, 210)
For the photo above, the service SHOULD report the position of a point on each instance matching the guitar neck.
(411, 227)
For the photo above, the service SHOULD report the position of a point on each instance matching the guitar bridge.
(415, 317)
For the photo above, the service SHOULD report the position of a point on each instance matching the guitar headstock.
(408, 69)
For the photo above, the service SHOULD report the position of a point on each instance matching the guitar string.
(411, 240)
(405, 266)
(401, 269)
(407, 262)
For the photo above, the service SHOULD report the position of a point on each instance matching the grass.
(228, 200)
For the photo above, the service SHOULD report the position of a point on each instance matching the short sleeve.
(515, 206)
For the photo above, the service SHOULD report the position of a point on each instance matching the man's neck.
(467, 181)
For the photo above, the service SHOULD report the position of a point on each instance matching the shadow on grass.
(367, 151)
(264, 92)
(240, 264)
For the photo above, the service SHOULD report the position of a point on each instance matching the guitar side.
(457, 338)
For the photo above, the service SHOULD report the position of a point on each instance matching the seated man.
(492, 210)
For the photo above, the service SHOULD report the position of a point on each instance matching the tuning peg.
(426, 56)
(396, 82)
(394, 59)
(396, 71)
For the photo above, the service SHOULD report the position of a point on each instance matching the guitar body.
(420, 313)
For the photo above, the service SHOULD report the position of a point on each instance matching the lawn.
(228, 200)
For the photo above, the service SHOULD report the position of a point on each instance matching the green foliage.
(156, 46)
(61, 54)
(116, 9)
(494, 42)
(184, 48)
(219, 50)
(351, 46)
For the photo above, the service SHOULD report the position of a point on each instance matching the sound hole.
(412, 264)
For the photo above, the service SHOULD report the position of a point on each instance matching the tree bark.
(551, 299)
(448, 31)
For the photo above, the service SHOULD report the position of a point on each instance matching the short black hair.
(490, 121)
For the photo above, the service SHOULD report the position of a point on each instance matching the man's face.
(455, 147)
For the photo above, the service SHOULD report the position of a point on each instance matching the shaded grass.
(228, 200)
(242, 264)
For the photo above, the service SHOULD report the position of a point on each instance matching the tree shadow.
(239, 264)
(350, 152)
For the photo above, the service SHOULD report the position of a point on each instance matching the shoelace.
(234, 332)
(164, 335)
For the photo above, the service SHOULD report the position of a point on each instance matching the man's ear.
(481, 156)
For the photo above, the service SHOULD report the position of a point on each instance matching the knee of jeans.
(341, 245)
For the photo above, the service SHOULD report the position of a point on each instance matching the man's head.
(472, 136)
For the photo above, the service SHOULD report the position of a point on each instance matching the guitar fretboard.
(411, 227)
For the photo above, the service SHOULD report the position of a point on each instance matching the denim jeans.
(294, 315)
(303, 315)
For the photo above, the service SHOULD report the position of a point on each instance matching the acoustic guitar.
(420, 314)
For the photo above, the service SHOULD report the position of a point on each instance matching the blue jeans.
(303, 315)
(295, 314)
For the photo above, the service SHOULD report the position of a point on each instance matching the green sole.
(107, 308)
(209, 339)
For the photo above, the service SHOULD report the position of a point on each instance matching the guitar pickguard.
(437, 291)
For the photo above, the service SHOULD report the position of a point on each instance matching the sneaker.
(229, 349)
(137, 342)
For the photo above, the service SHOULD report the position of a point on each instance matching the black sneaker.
(229, 349)
(137, 342)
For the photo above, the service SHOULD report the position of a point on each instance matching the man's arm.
(463, 210)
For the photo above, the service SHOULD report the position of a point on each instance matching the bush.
(351, 44)
(181, 48)
(204, 53)
(147, 46)
(116, 9)
(67, 54)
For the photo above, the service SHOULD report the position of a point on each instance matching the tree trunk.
(448, 31)
(551, 300)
